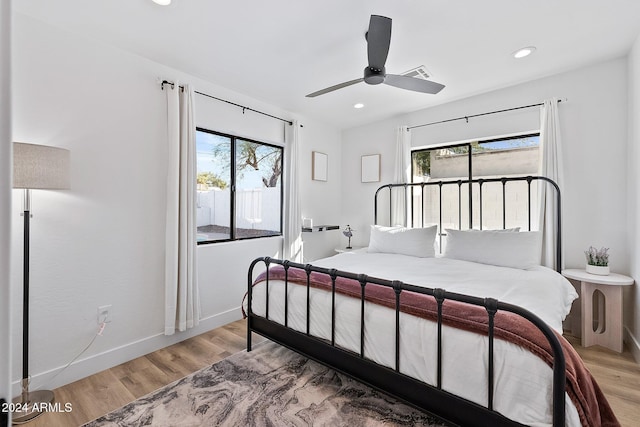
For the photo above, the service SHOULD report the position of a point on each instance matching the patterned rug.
(270, 386)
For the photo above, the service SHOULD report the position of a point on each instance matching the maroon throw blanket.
(592, 406)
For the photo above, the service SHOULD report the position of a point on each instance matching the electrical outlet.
(104, 314)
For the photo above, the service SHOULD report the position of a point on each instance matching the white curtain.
(551, 167)
(293, 225)
(402, 172)
(182, 305)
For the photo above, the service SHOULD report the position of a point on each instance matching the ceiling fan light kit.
(374, 76)
(378, 41)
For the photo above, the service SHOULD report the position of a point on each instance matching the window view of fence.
(239, 188)
(489, 159)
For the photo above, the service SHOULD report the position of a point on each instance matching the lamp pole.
(31, 402)
(25, 296)
(46, 168)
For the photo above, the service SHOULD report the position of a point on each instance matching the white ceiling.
(278, 51)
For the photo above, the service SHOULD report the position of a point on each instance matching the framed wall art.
(370, 171)
(319, 166)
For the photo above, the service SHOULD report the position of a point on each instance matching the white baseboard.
(83, 368)
(633, 344)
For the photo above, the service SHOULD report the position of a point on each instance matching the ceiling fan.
(378, 39)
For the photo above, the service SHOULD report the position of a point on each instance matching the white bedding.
(539, 289)
(522, 380)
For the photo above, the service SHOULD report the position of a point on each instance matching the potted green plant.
(597, 261)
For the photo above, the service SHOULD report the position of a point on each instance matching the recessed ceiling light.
(358, 105)
(525, 51)
(162, 2)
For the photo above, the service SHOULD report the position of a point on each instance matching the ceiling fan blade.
(414, 84)
(336, 87)
(378, 40)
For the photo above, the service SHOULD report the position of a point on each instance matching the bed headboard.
(465, 204)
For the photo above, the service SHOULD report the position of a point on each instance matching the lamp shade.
(40, 167)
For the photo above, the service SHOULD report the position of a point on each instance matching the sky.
(529, 141)
(205, 143)
(207, 162)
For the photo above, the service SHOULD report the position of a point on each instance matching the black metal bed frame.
(431, 398)
(480, 181)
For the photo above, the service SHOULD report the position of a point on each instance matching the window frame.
(232, 187)
(468, 143)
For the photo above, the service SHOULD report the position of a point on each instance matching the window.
(240, 189)
(516, 155)
(491, 158)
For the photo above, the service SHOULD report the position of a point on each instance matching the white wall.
(5, 200)
(97, 244)
(357, 197)
(632, 296)
(594, 135)
(321, 200)
(257, 208)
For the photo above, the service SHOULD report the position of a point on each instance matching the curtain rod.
(228, 102)
(478, 115)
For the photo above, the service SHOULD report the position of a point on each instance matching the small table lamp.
(348, 232)
(35, 167)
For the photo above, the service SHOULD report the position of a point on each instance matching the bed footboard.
(431, 398)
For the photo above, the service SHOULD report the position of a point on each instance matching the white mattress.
(522, 380)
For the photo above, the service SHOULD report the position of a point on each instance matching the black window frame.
(470, 152)
(470, 144)
(232, 187)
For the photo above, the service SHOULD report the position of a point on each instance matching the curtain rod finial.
(167, 82)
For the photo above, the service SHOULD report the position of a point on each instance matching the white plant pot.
(599, 270)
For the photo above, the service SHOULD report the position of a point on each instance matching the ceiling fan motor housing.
(374, 76)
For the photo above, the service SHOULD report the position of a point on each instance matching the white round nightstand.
(607, 328)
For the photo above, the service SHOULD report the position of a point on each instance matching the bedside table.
(345, 250)
(606, 329)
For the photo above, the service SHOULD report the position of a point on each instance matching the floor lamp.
(44, 168)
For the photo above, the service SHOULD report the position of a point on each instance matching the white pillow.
(499, 230)
(416, 242)
(516, 250)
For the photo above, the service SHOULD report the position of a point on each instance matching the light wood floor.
(617, 374)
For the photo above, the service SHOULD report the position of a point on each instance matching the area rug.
(269, 386)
